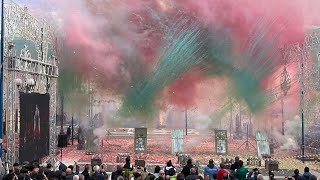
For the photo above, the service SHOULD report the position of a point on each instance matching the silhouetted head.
(189, 161)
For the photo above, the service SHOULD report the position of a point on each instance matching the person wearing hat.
(211, 169)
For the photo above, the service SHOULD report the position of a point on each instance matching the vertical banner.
(140, 140)
(34, 126)
(177, 141)
(221, 143)
(262, 144)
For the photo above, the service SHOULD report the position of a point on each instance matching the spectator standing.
(241, 171)
(156, 171)
(118, 172)
(186, 169)
(211, 169)
(221, 172)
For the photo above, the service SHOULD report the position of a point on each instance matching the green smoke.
(193, 45)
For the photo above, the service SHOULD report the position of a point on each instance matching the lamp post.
(62, 114)
(302, 101)
(1, 74)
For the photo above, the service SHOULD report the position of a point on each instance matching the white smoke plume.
(292, 130)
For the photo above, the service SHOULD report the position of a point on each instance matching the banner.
(34, 126)
(140, 140)
(262, 144)
(221, 142)
(177, 141)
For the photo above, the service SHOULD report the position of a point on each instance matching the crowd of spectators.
(212, 171)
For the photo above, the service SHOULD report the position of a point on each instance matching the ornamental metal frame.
(308, 74)
(20, 65)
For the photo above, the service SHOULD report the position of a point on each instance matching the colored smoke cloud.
(137, 49)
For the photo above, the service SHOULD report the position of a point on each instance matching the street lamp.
(26, 86)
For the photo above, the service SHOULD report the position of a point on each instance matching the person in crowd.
(296, 174)
(210, 169)
(313, 177)
(152, 177)
(271, 175)
(215, 176)
(48, 170)
(126, 175)
(120, 178)
(253, 174)
(86, 171)
(156, 171)
(96, 175)
(118, 172)
(69, 174)
(72, 168)
(207, 176)
(24, 174)
(225, 176)
(168, 167)
(180, 176)
(105, 176)
(161, 175)
(259, 177)
(193, 174)
(234, 167)
(172, 173)
(241, 171)
(306, 174)
(76, 177)
(81, 177)
(128, 166)
(186, 169)
(137, 176)
(103, 168)
(222, 171)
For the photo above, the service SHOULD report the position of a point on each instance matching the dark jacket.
(85, 173)
(306, 175)
(192, 177)
(115, 175)
(186, 170)
(128, 167)
(69, 177)
(97, 176)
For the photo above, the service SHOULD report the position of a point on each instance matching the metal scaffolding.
(30, 65)
(305, 57)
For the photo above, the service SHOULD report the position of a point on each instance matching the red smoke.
(183, 91)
